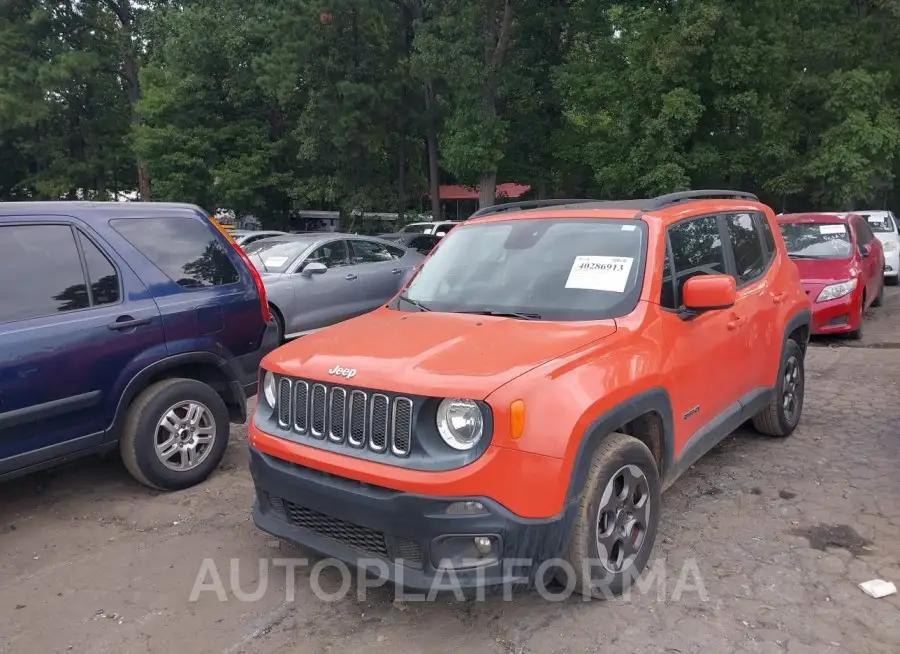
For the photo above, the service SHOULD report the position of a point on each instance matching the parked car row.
(843, 264)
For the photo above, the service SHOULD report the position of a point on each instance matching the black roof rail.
(641, 206)
(684, 196)
(523, 205)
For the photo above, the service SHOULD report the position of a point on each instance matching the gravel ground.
(762, 545)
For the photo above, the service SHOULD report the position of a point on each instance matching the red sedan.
(841, 265)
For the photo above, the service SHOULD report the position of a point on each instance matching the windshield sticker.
(275, 262)
(875, 219)
(600, 273)
(832, 229)
(628, 228)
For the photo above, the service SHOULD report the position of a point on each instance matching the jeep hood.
(439, 354)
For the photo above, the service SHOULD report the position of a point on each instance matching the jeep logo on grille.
(347, 373)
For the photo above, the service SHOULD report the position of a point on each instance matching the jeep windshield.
(547, 269)
(817, 240)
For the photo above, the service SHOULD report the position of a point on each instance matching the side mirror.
(708, 293)
(314, 268)
(865, 251)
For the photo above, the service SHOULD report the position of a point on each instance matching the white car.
(884, 224)
(436, 228)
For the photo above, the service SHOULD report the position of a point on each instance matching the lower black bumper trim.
(366, 527)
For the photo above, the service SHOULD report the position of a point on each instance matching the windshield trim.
(624, 306)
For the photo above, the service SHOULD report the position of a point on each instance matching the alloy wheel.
(623, 518)
(185, 435)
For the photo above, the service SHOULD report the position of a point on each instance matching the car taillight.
(254, 273)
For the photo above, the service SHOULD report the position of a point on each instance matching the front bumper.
(362, 525)
(836, 316)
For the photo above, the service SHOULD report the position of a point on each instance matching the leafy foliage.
(266, 107)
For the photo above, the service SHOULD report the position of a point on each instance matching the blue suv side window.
(185, 250)
(45, 264)
(102, 275)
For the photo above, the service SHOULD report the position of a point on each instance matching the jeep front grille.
(353, 417)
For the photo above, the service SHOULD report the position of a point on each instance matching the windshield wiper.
(802, 256)
(261, 262)
(415, 303)
(505, 314)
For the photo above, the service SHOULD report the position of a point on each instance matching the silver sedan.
(316, 280)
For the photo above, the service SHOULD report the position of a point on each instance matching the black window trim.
(74, 229)
(761, 219)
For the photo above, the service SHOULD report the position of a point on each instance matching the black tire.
(141, 433)
(613, 456)
(879, 299)
(857, 334)
(279, 323)
(776, 419)
(892, 281)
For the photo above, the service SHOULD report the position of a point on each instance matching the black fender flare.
(802, 318)
(139, 382)
(654, 400)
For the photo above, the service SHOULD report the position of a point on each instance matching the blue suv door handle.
(127, 322)
(396, 271)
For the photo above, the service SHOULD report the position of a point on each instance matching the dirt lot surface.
(780, 532)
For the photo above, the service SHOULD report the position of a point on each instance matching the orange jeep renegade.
(546, 373)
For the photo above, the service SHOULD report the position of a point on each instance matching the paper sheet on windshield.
(600, 273)
(832, 229)
(275, 262)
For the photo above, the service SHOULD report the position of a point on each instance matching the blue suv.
(137, 326)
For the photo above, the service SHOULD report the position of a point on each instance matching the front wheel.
(782, 415)
(618, 514)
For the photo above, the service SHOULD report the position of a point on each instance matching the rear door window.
(371, 252)
(102, 275)
(749, 259)
(43, 272)
(184, 249)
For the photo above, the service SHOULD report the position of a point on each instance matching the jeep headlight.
(269, 389)
(460, 423)
(890, 246)
(834, 291)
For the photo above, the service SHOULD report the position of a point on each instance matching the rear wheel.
(279, 323)
(175, 434)
(782, 415)
(857, 333)
(879, 299)
(617, 518)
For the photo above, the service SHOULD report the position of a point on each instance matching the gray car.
(316, 280)
(245, 238)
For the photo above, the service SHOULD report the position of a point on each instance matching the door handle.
(778, 298)
(737, 322)
(396, 271)
(350, 277)
(127, 322)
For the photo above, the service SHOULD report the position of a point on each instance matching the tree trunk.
(487, 190)
(401, 177)
(496, 42)
(122, 9)
(431, 138)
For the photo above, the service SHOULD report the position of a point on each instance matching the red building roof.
(453, 192)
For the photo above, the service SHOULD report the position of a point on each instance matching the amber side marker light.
(516, 418)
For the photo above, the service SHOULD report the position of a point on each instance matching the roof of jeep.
(87, 210)
(665, 209)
